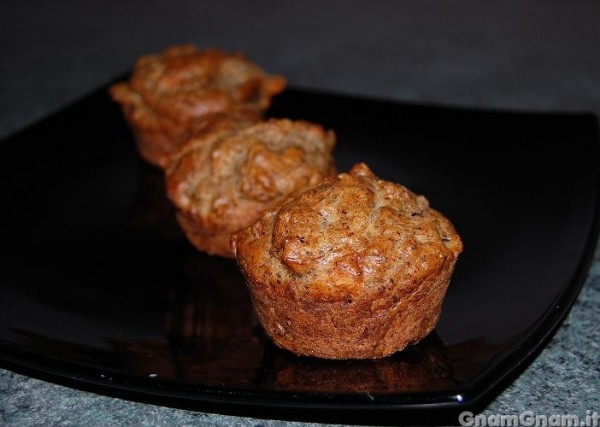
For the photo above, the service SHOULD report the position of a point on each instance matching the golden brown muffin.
(355, 268)
(169, 91)
(225, 177)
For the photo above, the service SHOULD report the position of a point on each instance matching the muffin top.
(231, 171)
(349, 237)
(183, 83)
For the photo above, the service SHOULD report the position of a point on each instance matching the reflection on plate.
(99, 289)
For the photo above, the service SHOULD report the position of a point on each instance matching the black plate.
(100, 290)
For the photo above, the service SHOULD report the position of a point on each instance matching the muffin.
(355, 268)
(222, 179)
(170, 91)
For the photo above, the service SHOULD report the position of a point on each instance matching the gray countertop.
(523, 55)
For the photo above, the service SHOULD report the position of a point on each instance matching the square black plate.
(99, 289)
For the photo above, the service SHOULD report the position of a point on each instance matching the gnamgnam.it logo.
(529, 419)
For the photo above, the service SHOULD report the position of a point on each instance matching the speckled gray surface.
(539, 55)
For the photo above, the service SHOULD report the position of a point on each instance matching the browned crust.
(227, 175)
(355, 268)
(170, 91)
